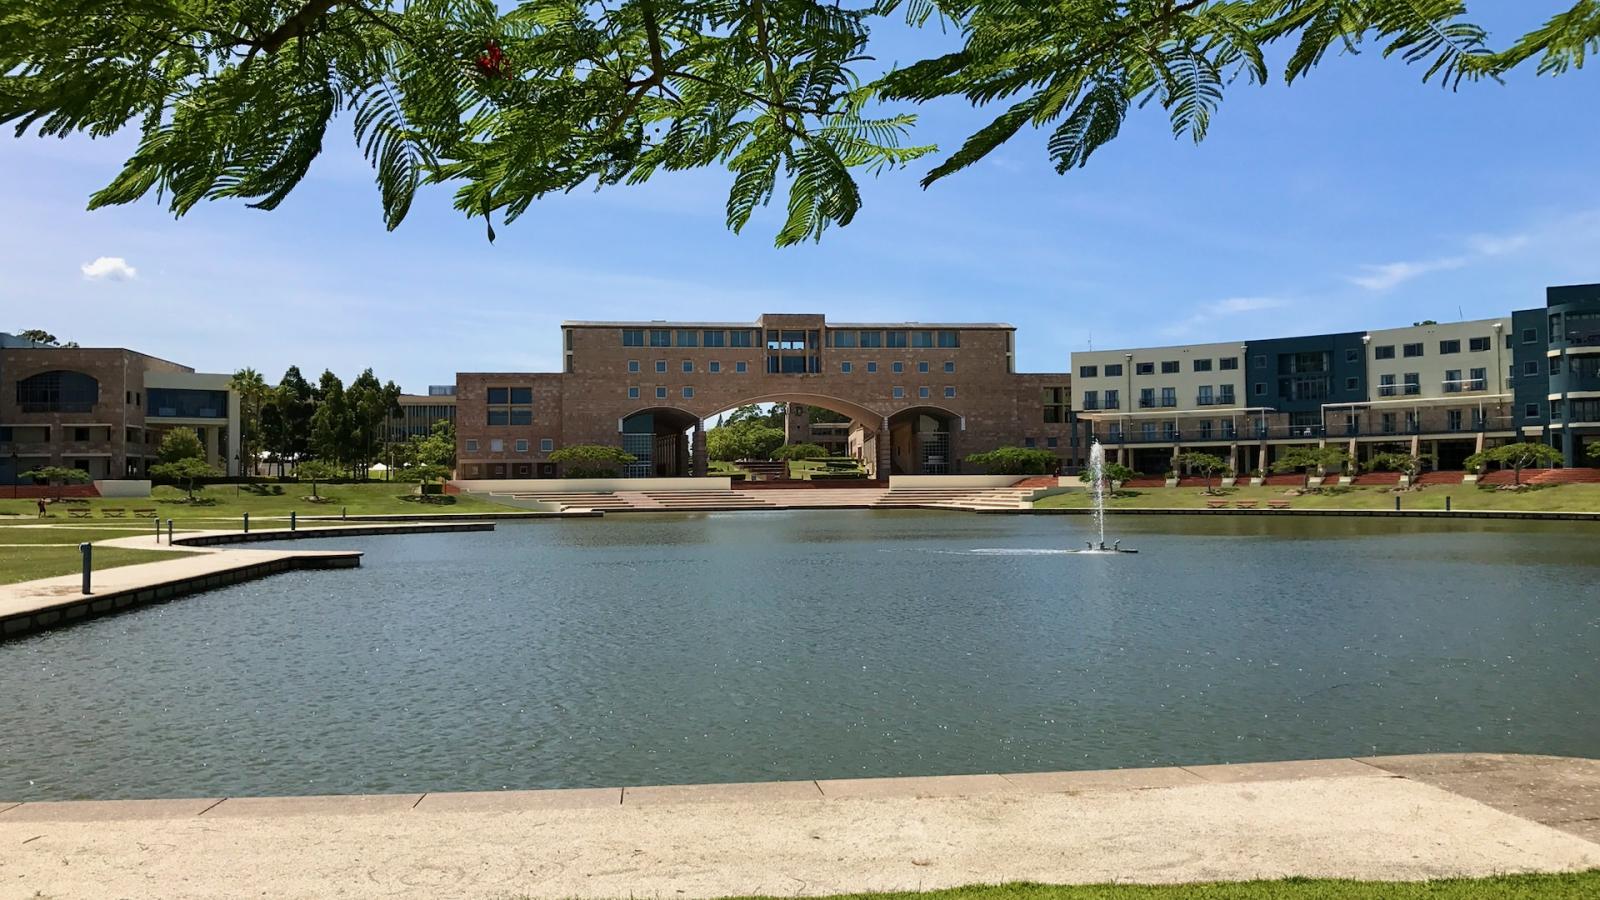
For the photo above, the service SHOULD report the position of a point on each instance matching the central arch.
(925, 440)
(865, 438)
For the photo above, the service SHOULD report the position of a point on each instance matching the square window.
(898, 393)
(688, 393)
(546, 445)
(1351, 384)
(844, 368)
(741, 367)
(950, 367)
(872, 367)
(661, 367)
(1531, 411)
(633, 367)
(1144, 368)
(1531, 367)
(1030, 443)
(661, 393)
(496, 445)
(949, 393)
(472, 445)
(1351, 355)
(1052, 442)
(1530, 335)
(1261, 362)
(922, 367)
(714, 367)
(1261, 389)
(522, 445)
(1088, 371)
(633, 393)
(898, 367)
(922, 392)
(688, 367)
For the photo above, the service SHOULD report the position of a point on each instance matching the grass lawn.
(1509, 887)
(47, 560)
(1559, 498)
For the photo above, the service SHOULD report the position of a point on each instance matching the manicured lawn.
(1561, 498)
(1508, 887)
(44, 561)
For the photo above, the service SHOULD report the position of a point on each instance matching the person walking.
(41, 507)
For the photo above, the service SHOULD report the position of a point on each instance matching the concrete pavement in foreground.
(1401, 818)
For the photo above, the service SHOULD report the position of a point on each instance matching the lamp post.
(16, 474)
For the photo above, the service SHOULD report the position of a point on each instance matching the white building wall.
(1432, 365)
(1185, 382)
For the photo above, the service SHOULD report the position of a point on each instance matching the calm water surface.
(756, 646)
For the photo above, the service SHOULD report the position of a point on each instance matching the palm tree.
(252, 390)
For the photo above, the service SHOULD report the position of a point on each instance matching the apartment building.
(1556, 369)
(104, 410)
(918, 397)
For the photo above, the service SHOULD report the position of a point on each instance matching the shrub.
(591, 460)
(800, 451)
(1016, 461)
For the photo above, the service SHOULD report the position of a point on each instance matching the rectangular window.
(1147, 430)
(1386, 386)
(1386, 351)
(1351, 384)
(872, 367)
(499, 395)
(1228, 363)
(1088, 371)
(688, 367)
(714, 367)
(1351, 355)
(660, 337)
(1452, 419)
(632, 337)
(1052, 442)
(633, 367)
(687, 338)
(1478, 344)
(1412, 350)
(1169, 367)
(1452, 381)
(1478, 380)
(1413, 383)
(844, 368)
(1446, 347)
(1114, 370)
(740, 338)
(546, 445)
(949, 339)
(1202, 365)
(1169, 397)
(1147, 398)
(740, 368)
(1203, 396)
(1225, 395)
(661, 367)
(845, 339)
(1531, 411)
(1030, 442)
(1531, 367)
(714, 339)
(521, 395)
(1091, 399)
(871, 338)
(1144, 368)
(1113, 400)
(895, 339)
(522, 445)
(922, 367)
(898, 393)
(949, 393)
(1261, 389)
(496, 445)
(949, 366)
(472, 445)
(1388, 422)
(922, 339)
(521, 415)
(1555, 365)
(661, 393)
(922, 392)
(633, 393)
(897, 367)
(688, 393)
(1261, 361)
(500, 416)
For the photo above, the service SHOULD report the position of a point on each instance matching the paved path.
(1381, 818)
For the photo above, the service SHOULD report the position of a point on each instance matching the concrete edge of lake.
(31, 606)
(1387, 817)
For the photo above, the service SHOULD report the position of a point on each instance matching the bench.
(79, 512)
(1216, 504)
(145, 513)
(1278, 504)
(1245, 504)
(113, 512)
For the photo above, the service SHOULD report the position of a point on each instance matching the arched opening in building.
(658, 440)
(58, 391)
(924, 440)
(847, 431)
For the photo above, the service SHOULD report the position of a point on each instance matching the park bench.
(1278, 504)
(145, 512)
(113, 512)
(1245, 504)
(1216, 504)
(79, 512)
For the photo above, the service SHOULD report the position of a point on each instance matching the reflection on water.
(648, 649)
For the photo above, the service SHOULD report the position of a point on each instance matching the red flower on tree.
(490, 60)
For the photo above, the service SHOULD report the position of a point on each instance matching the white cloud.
(1388, 275)
(1221, 309)
(109, 268)
(1498, 245)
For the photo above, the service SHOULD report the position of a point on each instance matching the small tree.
(1116, 473)
(181, 443)
(315, 470)
(1309, 459)
(1593, 452)
(58, 476)
(186, 471)
(1516, 457)
(592, 460)
(1206, 464)
(1406, 464)
(423, 474)
(1016, 461)
(800, 451)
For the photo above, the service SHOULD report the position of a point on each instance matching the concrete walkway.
(1401, 818)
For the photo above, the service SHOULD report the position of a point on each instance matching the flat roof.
(660, 323)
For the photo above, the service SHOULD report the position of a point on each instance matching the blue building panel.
(1299, 375)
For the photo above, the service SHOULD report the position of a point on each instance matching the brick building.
(104, 410)
(919, 397)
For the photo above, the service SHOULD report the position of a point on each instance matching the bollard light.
(291, 520)
(88, 563)
(1397, 504)
(246, 523)
(1446, 502)
(158, 529)
(169, 532)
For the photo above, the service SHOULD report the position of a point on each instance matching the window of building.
(844, 368)
(1351, 355)
(1449, 347)
(1261, 389)
(714, 367)
(633, 367)
(845, 339)
(1052, 442)
(1412, 350)
(661, 393)
(522, 415)
(1225, 395)
(661, 367)
(1531, 367)
(949, 393)
(1478, 344)
(688, 393)
(894, 339)
(740, 368)
(522, 395)
(1413, 383)
(1387, 422)
(949, 339)
(922, 368)
(1147, 431)
(496, 445)
(1478, 380)
(741, 338)
(872, 368)
(1202, 365)
(1531, 411)
(1383, 351)
(546, 445)
(870, 338)
(1555, 365)
(1088, 371)
(949, 366)
(1203, 395)
(922, 339)
(1228, 363)
(1261, 361)
(1030, 442)
(688, 366)
(898, 393)
(714, 339)
(660, 337)
(1113, 400)
(632, 337)
(1091, 399)
(498, 395)
(189, 404)
(1351, 384)
(522, 445)
(472, 445)
(1169, 397)
(1057, 401)
(1386, 385)
(1147, 398)
(1452, 381)
(1530, 335)
(897, 367)
(922, 393)
(1148, 368)
(633, 393)
(1169, 367)
(687, 338)
(1113, 370)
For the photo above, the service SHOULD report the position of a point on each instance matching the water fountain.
(1097, 487)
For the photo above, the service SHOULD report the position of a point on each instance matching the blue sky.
(1358, 198)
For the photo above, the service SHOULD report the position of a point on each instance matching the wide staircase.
(956, 498)
(765, 469)
(696, 500)
(573, 501)
(835, 497)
